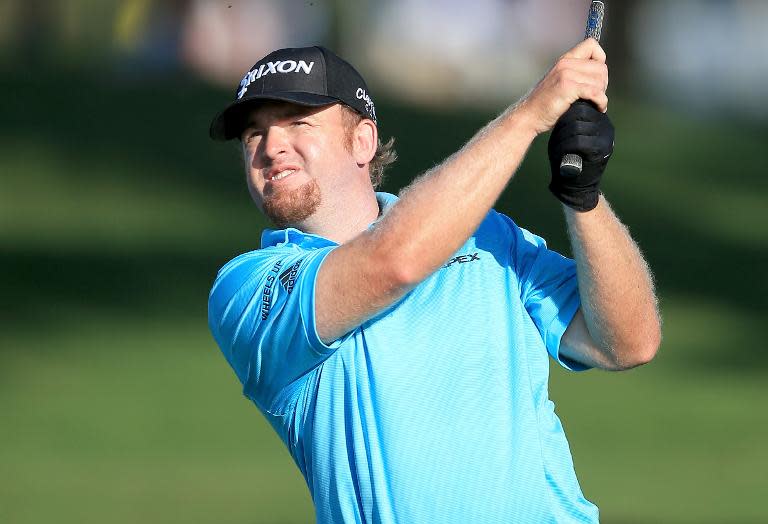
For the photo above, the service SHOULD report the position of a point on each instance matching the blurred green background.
(116, 211)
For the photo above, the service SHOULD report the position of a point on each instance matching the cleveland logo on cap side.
(280, 66)
(360, 94)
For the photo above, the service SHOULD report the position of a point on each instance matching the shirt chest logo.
(462, 259)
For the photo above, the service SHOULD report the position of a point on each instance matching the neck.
(344, 217)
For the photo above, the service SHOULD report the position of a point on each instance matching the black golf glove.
(585, 131)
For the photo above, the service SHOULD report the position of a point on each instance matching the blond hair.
(385, 152)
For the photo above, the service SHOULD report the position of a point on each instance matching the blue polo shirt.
(434, 411)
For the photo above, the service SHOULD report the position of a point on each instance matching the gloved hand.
(585, 131)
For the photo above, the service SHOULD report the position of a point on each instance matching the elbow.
(395, 271)
(638, 353)
(401, 265)
(641, 356)
(651, 342)
(402, 275)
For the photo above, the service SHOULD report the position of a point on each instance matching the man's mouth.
(280, 174)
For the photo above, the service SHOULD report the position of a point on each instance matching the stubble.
(291, 208)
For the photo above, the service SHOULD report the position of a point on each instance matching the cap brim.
(229, 123)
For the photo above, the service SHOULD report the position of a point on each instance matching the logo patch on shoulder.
(266, 294)
(288, 277)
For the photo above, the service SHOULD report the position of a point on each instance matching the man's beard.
(291, 208)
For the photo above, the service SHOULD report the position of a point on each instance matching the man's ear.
(365, 139)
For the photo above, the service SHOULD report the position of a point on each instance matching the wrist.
(578, 214)
(523, 118)
(582, 200)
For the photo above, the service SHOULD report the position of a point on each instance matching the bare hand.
(581, 73)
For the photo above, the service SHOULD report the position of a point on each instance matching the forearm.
(441, 210)
(616, 286)
(430, 221)
(445, 206)
(448, 203)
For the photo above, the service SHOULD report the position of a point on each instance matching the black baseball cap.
(308, 76)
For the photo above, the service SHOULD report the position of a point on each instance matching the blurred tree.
(36, 30)
(348, 27)
(616, 42)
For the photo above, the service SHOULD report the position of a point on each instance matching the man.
(399, 346)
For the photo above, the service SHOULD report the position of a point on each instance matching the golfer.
(399, 345)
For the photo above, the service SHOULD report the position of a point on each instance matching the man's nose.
(275, 141)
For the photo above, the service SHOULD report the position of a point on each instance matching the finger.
(584, 71)
(586, 89)
(588, 147)
(575, 128)
(584, 112)
(587, 49)
(594, 94)
(562, 139)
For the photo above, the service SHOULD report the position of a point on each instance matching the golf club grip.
(571, 164)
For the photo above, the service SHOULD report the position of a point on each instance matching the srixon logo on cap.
(280, 66)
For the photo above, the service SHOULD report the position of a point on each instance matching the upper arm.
(261, 313)
(549, 292)
(580, 346)
(577, 345)
(355, 282)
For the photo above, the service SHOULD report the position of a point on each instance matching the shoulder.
(502, 229)
(248, 266)
(258, 267)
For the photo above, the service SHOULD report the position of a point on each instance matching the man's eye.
(252, 134)
(301, 123)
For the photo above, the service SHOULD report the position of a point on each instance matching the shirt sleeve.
(548, 289)
(261, 312)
